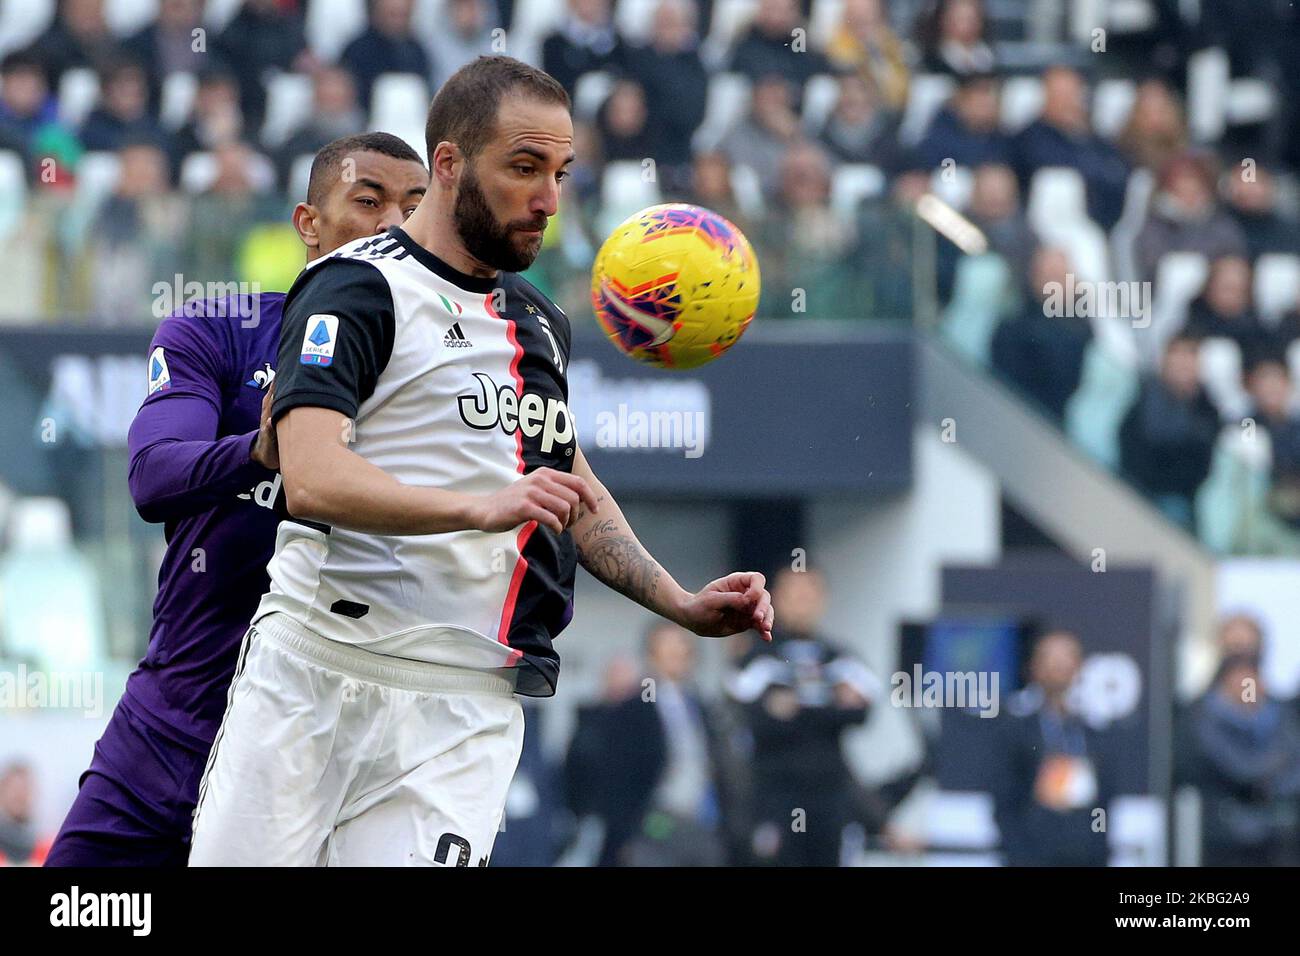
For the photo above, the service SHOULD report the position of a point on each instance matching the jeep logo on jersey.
(531, 414)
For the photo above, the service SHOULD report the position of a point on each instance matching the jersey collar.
(435, 265)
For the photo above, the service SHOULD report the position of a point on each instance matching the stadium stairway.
(1073, 499)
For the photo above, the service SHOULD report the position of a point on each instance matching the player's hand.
(729, 606)
(549, 497)
(265, 450)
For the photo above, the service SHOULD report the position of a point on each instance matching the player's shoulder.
(208, 321)
(520, 294)
(347, 278)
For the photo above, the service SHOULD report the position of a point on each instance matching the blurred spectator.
(769, 46)
(468, 34)
(1167, 438)
(711, 187)
(1156, 131)
(335, 113)
(532, 832)
(240, 196)
(18, 840)
(1272, 394)
(806, 268)
(625, 133)
(1225, 309)
(953, 37)
(886, 229)
(995, 208)
(1057, 771)
(123, 110)
(1251, 193)
(761, 139)
(660, 765)
(29, 114)
(1247, 765)
(1240, 634)
(388, 45)
(137, 237)
(676, 86)
(264, 36)
(1062, 136)
(78, 37)
(967, 130)
(217, 118)
(858, 130)
(1184, 217)
(863, 41)
(585, 41)
(169, 45)
(1039, 352)
(800, 694)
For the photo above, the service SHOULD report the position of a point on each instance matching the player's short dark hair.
(329, 158)
(464, 111)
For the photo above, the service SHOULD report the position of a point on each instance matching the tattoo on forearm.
(582, 508)
(620, 562)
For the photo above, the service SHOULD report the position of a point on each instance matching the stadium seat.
(58, 624)
(853, 182)
(199, 171)
(729, 19)
(623, 190)
(1022, 101)
(1277, 284)
(97, 174)
(590, 93)
(1232, 501)
(533, 20)
(1096, 410)
(78, 94)
(1112, 102)
(300, 176)
(178, 92)
(1208, 81)
(289, 98)
(1221, 376)
(1057, 198)
(398, 105)
(13, 192)
(926, 95)
(1293, 360)
(126, 17)
(748, 190)
(725, 106)
(635, 19)
(330, 25)
(1250, 100)
(981, 294)
(825, 17)
(820, 94)
(954, 186)
(1123, 238)
(217, 13)
(22, 21)
(1180, 276)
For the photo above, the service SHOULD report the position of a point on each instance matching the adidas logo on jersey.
(455, 338)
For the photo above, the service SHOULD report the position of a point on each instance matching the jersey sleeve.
(335, 339)
(179, 467)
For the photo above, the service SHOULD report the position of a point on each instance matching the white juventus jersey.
(456, 382)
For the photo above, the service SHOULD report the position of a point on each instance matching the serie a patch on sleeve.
(318, 339)
(159, 377)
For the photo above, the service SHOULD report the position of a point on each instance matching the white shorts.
(329, 755)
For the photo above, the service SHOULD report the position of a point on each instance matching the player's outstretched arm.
(609, 550)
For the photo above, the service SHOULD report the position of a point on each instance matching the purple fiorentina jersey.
(191, 469)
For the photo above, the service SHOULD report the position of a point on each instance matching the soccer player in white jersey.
(439, 505)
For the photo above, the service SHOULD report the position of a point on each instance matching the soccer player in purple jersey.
(203, 462)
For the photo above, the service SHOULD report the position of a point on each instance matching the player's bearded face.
(503, 246)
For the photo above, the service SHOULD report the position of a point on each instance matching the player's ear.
(304, 221)
(442, 164)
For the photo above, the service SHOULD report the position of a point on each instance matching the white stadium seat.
(624, 188)
(178, 92)
(1208, 82)
(398, 105)
(126, 17)
(954, 186)
(635, 19)
(1277, 284)
(1221, 375)
(22, 21)
(1057, 200)
(748, 190)
(78, 94)
(729, 19)
(726, 104)
(1022, 101)
(217, 13)
(97, 175)
(330, 25)
(853, 182)
(13, 191)
(926, 95)
(590, 93)
(533, 20)
(820, 94)
(826, 16)
(289, 99)
(1112, 102)
(1180, 276)
(300, 176)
